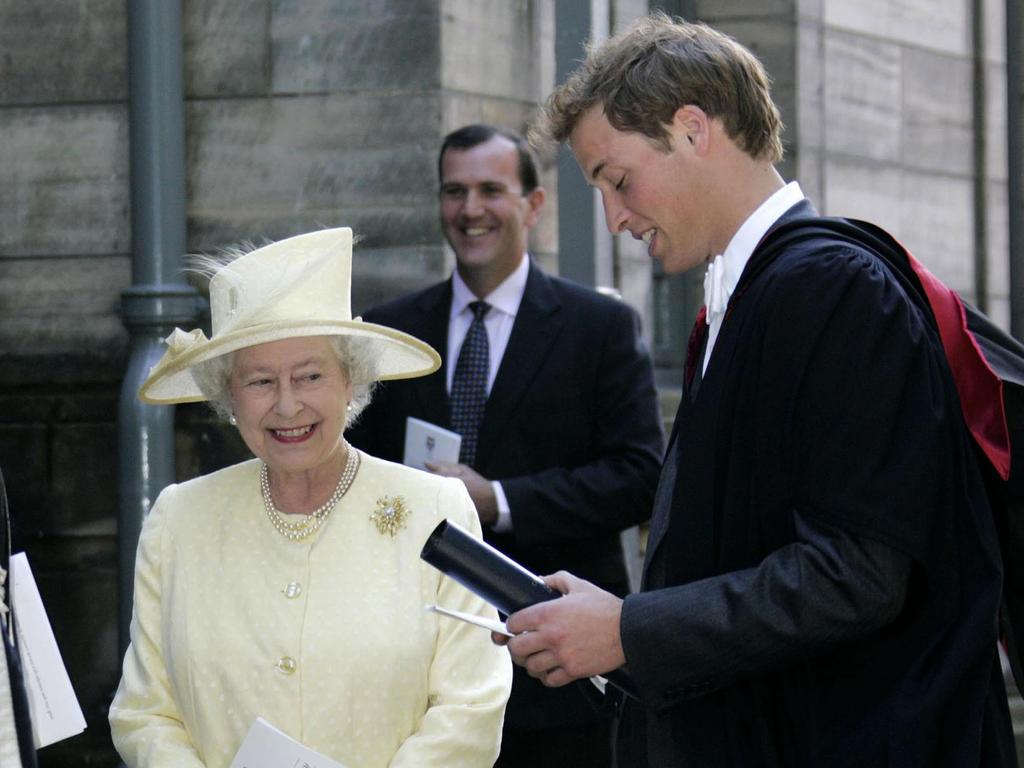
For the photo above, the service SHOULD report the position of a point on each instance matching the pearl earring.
(232, 420)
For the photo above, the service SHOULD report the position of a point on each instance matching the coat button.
(293, 590)
(286, 665)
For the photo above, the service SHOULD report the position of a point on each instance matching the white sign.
(56, 714)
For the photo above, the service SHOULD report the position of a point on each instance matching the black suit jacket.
(571, 429)
(822, 575)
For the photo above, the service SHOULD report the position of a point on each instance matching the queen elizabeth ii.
(289, 586)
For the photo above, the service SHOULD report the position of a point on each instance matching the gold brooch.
(390, 515)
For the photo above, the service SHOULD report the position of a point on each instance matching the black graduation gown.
(827, 397)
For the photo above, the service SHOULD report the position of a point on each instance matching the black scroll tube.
(494, 577)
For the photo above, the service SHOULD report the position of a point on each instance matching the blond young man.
(822, 576)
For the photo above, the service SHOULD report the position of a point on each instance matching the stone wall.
(329, 112)
(299, 115)
(64, 243)
(878, 101)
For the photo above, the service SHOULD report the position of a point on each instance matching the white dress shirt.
(504, 301)
(498, 322)
(724, 271)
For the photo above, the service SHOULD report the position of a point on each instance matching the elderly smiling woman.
(289, 586)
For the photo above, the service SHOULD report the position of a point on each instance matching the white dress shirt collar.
(724, 271)
(504, 301)
(506, 297)
(734, 259)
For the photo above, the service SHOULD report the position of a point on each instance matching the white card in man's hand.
(472, 618)
(428, 442)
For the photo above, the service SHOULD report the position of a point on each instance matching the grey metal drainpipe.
(979, 105)
(158, 299)
(1015, 160)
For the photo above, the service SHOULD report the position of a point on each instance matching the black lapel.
(537, 325)
(431, 325)
(662, 511)
(685, 529)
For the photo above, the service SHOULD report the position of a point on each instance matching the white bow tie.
(716, 292)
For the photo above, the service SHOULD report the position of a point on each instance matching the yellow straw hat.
(293, 288)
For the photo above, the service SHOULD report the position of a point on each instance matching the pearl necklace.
(310, 523)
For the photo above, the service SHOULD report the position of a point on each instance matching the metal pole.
(1014, 91)
(158, 299)
(584, 244)
(980, 128)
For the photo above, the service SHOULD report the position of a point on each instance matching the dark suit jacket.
(571, 430)
(822, 460)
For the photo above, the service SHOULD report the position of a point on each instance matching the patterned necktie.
(469, 383)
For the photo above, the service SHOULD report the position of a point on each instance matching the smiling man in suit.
(561, 431)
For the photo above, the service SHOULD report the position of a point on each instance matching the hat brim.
(399, 355)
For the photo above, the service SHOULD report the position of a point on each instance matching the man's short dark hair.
(641, 76)
(470, 136)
